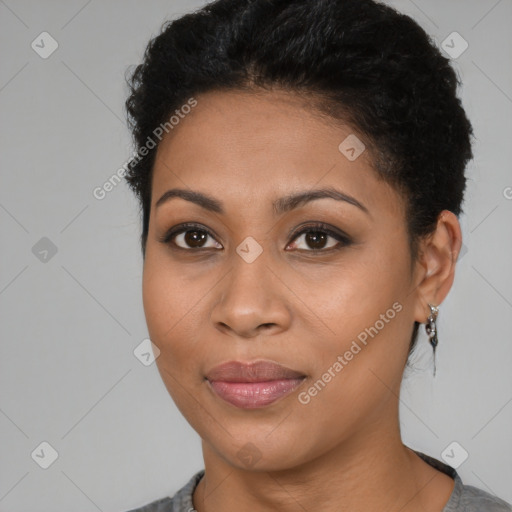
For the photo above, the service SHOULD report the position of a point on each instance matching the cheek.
(171, 308)
(365, 314)
(352, 295)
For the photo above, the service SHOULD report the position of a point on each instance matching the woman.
(300, 169)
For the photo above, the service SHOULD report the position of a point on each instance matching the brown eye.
(316, 239)
(189, 237)
(195, 238)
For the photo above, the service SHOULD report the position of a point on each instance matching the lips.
(259, 371)
(253, 385)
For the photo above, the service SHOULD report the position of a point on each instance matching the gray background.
(70, 324)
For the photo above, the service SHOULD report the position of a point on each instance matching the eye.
(316, 237)
(190, 236)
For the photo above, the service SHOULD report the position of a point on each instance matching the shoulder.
(180, 502)
(466, 498)
(473, 499)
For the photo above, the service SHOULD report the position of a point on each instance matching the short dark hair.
(361, 62)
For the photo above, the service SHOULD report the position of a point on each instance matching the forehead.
(251, 148)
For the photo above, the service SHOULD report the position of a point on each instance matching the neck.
(371, 471)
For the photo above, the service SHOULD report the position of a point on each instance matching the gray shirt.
(464, 498)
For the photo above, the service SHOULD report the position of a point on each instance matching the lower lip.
(253, 395)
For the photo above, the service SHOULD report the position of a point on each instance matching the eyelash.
(320, 227)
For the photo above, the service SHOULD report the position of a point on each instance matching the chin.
(258, 448)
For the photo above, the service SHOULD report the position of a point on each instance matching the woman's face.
(246, 283)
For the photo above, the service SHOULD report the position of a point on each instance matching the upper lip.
(258, 371)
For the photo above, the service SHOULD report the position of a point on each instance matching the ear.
(435, 266)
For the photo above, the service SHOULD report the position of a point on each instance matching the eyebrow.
(279, 206)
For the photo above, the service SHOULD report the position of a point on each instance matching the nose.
(251, 301)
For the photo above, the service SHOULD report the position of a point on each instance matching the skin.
(342, 450)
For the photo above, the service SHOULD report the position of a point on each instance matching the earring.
(431, 329)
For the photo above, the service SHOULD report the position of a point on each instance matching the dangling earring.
(431, 329)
